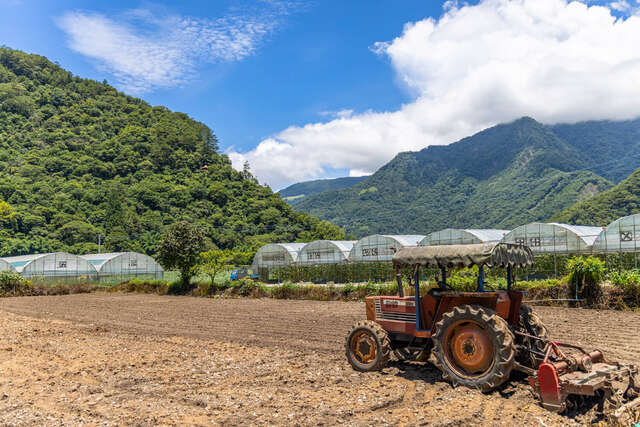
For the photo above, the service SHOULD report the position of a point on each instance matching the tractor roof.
(490, 254)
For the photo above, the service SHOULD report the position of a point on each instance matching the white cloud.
(145, 51)
(474, 67)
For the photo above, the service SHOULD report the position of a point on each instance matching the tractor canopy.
(489, 254)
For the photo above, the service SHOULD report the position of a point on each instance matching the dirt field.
(148, 360)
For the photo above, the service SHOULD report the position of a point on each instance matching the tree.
(180, 248)
(7, 213)
(214, 261)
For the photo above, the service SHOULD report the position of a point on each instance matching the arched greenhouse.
(277, 255)
(622, 235)
(52, 265)
(380, 248)
(125, 264)
(554, 238)
(454, 236)
(325, 252)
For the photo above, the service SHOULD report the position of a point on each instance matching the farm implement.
(476, 339)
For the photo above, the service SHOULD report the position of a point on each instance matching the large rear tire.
(531, 324)
(474, 347)
(368, 347)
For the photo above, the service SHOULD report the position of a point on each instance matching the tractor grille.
(390, 315)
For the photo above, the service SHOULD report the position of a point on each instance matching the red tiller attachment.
(564, 381)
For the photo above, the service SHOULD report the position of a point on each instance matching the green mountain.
(501, 177)
(297, 192)
(79, 160)
(621, 200)
(611, 149)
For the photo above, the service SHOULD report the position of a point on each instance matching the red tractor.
(477, 338)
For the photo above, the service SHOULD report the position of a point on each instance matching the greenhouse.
(125, 264)
(454, 236)
(5, 266)
(554, 238)
(52, 265)
(622, 235)
(277, 255)
(325, 252)
(380, 248)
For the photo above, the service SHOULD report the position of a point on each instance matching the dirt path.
(143, 359)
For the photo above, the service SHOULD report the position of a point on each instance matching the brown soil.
(148, 360)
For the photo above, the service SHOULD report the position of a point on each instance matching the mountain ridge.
(500, 177)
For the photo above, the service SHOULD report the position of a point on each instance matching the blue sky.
(309, 89)
(315, 61)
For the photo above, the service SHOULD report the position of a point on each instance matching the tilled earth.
(149, 360)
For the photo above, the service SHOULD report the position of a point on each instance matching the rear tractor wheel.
(474, 347)
(368, 347)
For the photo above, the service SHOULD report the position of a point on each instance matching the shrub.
(585, 275)
(13, 283)
(629, 282)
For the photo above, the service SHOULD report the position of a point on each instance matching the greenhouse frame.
(326, 252)
(381, 247)
(277, 255)
(52, 265)
(622, 235)
(455, 236)
(125, 264)
(554, 238)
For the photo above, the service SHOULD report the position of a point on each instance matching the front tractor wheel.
(474, 347)
(368, 347)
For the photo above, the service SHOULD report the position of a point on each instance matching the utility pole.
(100, 240)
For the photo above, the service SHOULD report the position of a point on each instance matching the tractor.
(476, 339)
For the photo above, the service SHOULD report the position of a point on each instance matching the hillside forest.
(81, 163)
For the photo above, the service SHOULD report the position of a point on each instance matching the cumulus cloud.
(145, 51)
(474, 67)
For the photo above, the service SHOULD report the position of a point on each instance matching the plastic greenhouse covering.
(125, 264)
(5, 266)
(622, 235)
(277, 255)
(51, 265)
(454, 236)
(380, 248)
(554, 238)
(325, 252)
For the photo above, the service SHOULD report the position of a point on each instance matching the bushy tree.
(214, 261)
(180, 249)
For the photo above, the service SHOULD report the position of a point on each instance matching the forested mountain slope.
(501, 177)
(80, 160)
(297, 192)
(619, 201)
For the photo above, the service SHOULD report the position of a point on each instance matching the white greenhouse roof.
(586, 232)
(405, 239)
(622, 235)
(20, 262)
(98, 260)
(293, 249)
(344, 245)
(554, 237)
(460, 235)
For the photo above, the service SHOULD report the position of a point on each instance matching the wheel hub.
(364, 347)
(471, 348)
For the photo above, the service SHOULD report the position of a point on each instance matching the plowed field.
(148, 360)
